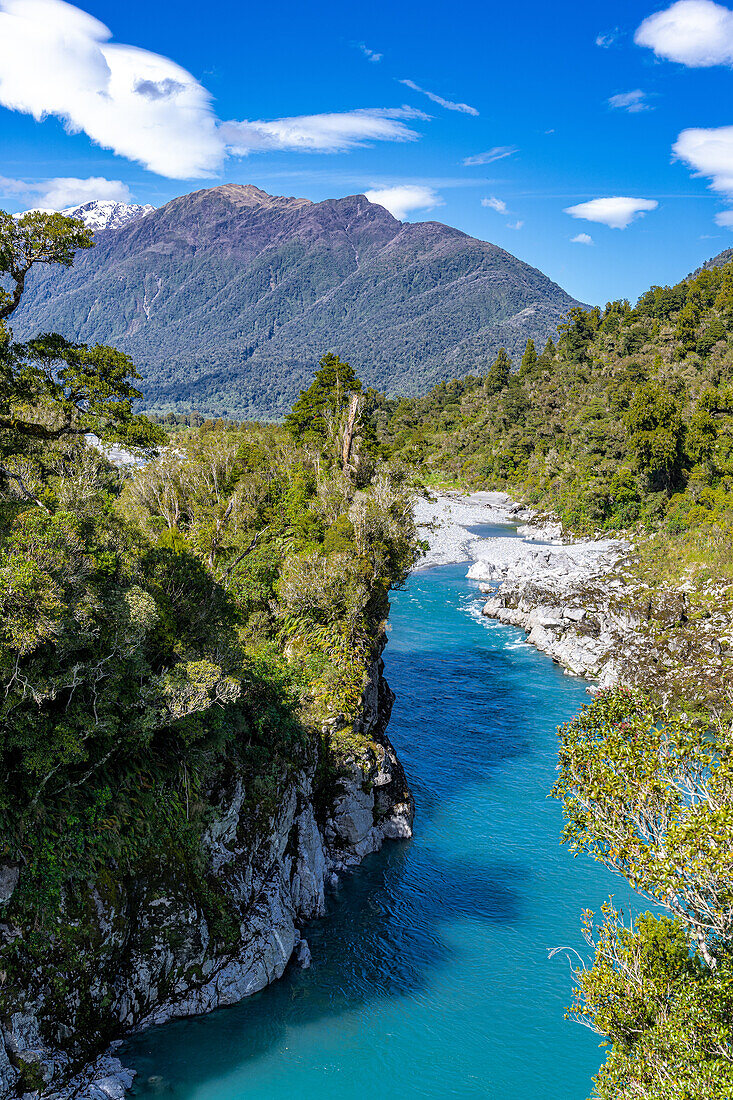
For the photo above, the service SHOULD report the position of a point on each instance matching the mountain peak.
(246, 194)
(101, 213)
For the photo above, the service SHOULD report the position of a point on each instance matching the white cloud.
(449, 104)
(607, 39)
(616, 212)
(632, 102)
(697, 33)
(495, 204)
(57, 60)
(403, 199)
(56, 194)
(497, 153)
(709, 153)
(328, 133)
(515, 225)
(582, 238)
(370, 55)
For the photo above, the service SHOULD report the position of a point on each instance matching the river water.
(430, 976)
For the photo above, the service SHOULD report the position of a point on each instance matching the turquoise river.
(430, 975)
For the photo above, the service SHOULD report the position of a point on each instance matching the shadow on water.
(378, 942)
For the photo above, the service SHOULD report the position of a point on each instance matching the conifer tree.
(498, 375)
(324, 401)
(529, 359)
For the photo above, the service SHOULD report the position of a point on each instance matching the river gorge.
(430, 973)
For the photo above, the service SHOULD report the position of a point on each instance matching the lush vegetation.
(626, 419)
(624, 424)
(213, 606)
(216, 605)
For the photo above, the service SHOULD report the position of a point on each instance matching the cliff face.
(157, 953)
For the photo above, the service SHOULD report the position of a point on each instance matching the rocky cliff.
(587, 605)
(154, 951)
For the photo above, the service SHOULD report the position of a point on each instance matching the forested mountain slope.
(627, 420)
(226, 297)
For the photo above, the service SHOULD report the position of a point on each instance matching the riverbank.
(560, 592)
(599, 607)
(275, 863)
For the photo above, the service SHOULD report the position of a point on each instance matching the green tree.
(664, 1014)
(649, 792)
(498, 375)
(529, 359)
(577, 332)
(656, 432)
(714, 332)
(35, 238)
(688, 321)
(724, 298)
(54, 392)
(319, 408)
(549, 351)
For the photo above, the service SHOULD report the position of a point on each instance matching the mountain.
(723, 258)
(105, 214)
(226, 299)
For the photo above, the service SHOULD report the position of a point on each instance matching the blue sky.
(622, 113)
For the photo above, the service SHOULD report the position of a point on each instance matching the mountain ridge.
(227, 297)
(101, 213)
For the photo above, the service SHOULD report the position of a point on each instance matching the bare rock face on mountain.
(720, 260)
(226, 299)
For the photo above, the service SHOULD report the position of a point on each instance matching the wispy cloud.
(582, 238)
(607, 38)
(403, 199)
(617, 212)
(633, 102)
(495, 204)
(63, 191)
(330, 133)
(515, 225)
(144, 106)
(497, 153)
(449, 104)
(370, 55)
(697, 33)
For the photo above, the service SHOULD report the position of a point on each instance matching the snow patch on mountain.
(104, 213)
